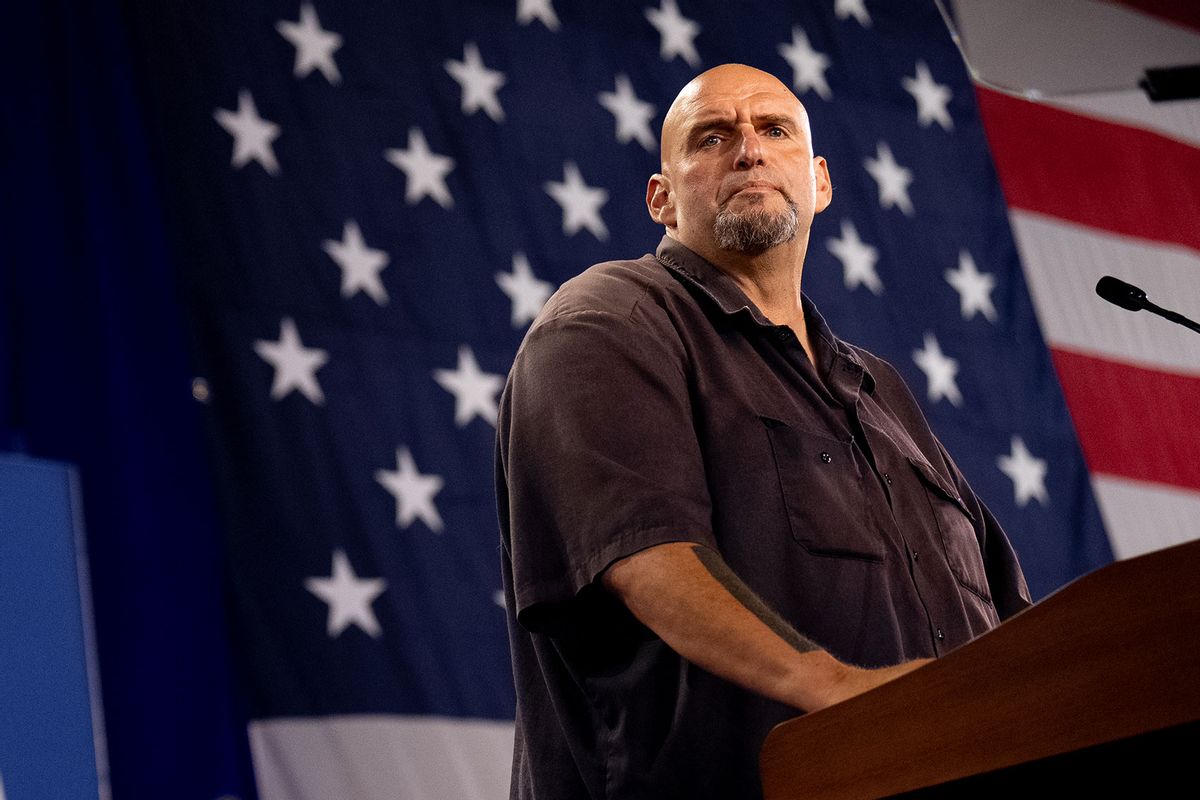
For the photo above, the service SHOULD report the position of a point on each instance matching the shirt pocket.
(823, 493)
(955, 529)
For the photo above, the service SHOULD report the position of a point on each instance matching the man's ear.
(659, 200)
(824, 186)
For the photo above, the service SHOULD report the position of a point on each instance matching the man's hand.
(857, 680)
(689, 596)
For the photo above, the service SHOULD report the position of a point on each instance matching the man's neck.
(771, 280)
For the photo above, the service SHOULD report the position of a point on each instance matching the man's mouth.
(760, 186)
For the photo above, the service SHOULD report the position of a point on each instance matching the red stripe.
(1133, 422)
(1100, 174)
(1180, 12)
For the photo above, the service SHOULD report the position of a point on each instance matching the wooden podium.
(1100, 681)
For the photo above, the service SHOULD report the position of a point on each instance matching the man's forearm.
(689, 596)
(725, 576)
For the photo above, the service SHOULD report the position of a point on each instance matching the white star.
(808, 66)
(844, 9)
(360, 264)
(931, 98)
(939, 371)
(633, 115)
(529, 10)
(677, 31)
(413, 492)
(580, 203)
(1027, 473)
(974, 287)
(892, 178)
(424, 170)
(527, 293)
(858, 259)
(252, 135)
(349, 597)
(479, 84)
(295, 365)
(314, 46)
(474, 390)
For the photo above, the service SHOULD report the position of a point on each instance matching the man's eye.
(710, 140)
(776, 132)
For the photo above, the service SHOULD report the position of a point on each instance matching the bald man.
(715, 513)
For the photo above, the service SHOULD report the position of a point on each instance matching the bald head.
(724, 83)
(738, 171)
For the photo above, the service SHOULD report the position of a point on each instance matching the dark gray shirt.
(651, 402)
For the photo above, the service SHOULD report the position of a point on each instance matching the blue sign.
(51, 739)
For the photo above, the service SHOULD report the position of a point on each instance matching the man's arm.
(690, 598)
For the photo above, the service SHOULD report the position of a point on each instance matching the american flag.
(373, 202)
(1108, 183)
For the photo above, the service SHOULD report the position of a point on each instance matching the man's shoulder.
(616, 288)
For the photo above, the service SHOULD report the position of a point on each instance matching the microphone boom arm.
(1130, 297)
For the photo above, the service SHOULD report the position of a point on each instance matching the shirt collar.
(731, 301)
(710, 280)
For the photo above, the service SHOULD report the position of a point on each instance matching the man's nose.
(750, 153)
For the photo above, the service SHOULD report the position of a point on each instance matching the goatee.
(756, 229)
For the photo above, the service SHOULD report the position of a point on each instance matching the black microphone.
(1126, 295)
(1120, 293)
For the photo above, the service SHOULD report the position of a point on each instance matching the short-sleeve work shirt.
(652, 402)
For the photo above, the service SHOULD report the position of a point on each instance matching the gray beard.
(755, 230)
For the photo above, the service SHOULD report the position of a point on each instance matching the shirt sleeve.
(598, 454)
(1006, 581)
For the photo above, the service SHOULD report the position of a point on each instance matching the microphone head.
(1120, 293)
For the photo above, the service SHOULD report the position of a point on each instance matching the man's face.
(738, 169)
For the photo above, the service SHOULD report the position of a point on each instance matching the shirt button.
(887, 478)
(916, 556)
(785, 335)
(826, 457)
(940, 635)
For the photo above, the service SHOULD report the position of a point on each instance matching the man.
(716, 514)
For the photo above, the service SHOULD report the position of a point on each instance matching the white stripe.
(381, 757)
(1062, 264)
(1142, 517)
(1177, 119)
